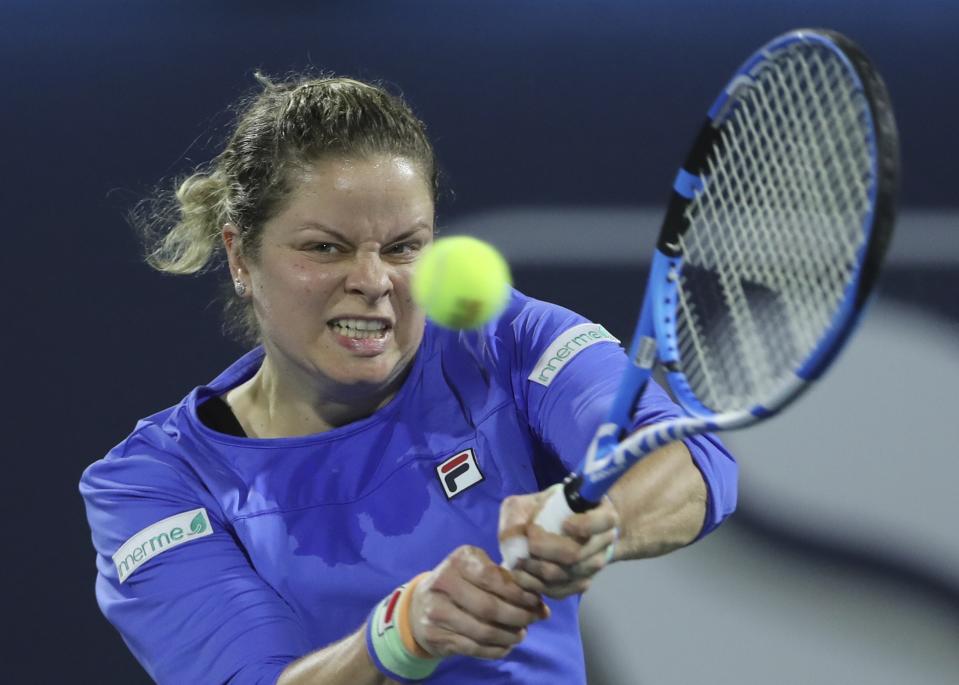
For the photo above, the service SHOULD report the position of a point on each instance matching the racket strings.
(775, 235)
(801, 276)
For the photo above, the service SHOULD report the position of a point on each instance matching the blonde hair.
(283, 128)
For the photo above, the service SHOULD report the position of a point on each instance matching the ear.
(234, 251)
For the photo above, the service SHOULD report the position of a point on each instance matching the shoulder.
(155, 450)
(545, 336)
(526, 323)
(149, 476)
(147, 465)
(135, 487)
(528, 344)
(526, 314)
(149, 449)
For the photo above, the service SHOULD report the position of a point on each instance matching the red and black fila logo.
(459, 473)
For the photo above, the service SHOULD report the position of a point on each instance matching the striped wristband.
(390, 642)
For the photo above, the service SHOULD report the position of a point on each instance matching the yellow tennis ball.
(461, 282)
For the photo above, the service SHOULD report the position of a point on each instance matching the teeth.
(360, 324)
(360, 328)
(349, 332)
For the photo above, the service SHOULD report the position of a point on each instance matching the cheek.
(305, 278)
(415, 320)
(290, 297)
(300, 281)
(402, 284)
(405, 303)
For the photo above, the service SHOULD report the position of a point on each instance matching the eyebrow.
(419, 226)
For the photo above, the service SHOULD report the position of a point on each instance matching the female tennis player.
(326, 510)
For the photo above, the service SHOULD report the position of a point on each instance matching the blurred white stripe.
(583, 235)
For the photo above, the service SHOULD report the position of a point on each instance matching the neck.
(279, 401)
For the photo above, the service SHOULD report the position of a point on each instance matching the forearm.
(661, 502)
(343, 663)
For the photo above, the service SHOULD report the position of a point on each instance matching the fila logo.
(458, 473)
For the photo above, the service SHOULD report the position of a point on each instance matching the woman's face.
(331, 282)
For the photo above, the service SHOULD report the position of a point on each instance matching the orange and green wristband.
(390, 641)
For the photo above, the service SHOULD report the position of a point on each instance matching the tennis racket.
(772, 241)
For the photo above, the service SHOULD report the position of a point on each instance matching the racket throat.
(645, 353)
(574, 499)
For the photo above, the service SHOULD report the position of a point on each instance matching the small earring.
(240, 287)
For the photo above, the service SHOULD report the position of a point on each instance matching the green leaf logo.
(198, 524)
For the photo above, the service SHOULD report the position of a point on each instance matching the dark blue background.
(529, 103)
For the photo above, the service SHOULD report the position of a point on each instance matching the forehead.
(383, 192)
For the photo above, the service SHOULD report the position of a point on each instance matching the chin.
(365, 372)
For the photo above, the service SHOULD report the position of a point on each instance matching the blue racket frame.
(655, 339)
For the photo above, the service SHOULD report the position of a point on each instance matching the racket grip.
(513, 549)
(550, 518)
(555, 510)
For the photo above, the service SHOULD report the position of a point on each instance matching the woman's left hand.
(560, 565)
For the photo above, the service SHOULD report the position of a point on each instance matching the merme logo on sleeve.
(570, 343)
(158, 538)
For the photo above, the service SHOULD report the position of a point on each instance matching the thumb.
(515, 513)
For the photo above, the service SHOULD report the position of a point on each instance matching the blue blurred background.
(559, 126)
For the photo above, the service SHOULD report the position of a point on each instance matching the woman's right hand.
(471, 606)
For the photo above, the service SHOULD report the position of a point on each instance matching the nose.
(369, 276)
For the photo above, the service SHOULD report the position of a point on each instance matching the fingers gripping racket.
(772, 241)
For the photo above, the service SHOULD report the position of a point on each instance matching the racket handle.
(513, 549)
(550, 518)
(555, 510)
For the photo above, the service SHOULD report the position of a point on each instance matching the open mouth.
(360, 329)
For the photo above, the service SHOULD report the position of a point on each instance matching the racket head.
(777, 227)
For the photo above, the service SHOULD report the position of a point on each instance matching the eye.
(324, 248)
(406, 249)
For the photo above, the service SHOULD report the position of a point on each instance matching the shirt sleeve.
(565, 373)
(190, 607)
